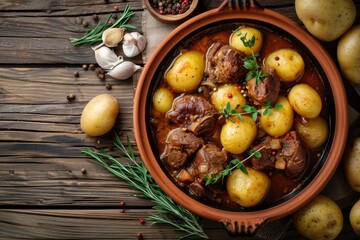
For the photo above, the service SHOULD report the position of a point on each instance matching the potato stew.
(239, 116)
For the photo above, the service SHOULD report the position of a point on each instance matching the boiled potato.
(348, 53)
(99, 115)
(237, 136)
(227, 93)
(247, 190)
(163, 99)
(313, 131)
(305, 100)
(247, 32)
(186, 72)
(352, 164)
(355, 217)
(320, 219)
(279, 121)
(288, 63)
(326, 20)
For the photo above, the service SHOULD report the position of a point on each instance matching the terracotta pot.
(244, 221)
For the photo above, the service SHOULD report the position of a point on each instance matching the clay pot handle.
(240, 5)
(246, 227)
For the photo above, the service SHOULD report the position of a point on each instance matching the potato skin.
(99, 115)
(351, 163)
(321, 219)
(186, 72)
(235, 39)
(288, 63)
(227, 93)
(162, 100)
(247, 190)
(305, 100)
(280, 121)
(355, 217)
(313, 131)
(348, 53)
(326, 20)
(236, 137)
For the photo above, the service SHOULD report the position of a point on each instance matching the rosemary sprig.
(137, 176)
(235, 163)
(250, 62)
(228, 112)
(94, 35)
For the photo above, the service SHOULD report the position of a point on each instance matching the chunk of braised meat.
(224, 64)
(268, 159)
(196, 189)
(295, 155)
(210, 159)
(194, 112)
(180, 145)
(266, 89)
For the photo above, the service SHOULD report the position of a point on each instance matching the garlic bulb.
(106, 58)
(123, 70)
(134, 43)
(112, 36)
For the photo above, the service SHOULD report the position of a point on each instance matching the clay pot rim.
(232, 219)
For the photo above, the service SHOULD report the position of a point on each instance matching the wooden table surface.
(44, 191)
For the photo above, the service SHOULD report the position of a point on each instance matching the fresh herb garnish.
(250, 62)
(235, 163)
(137, 176)
(94, 35)
(228, 112)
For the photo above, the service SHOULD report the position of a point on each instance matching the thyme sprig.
(228, 112)
(235, 163)
(250, 62)
(137, 176)
(94, 35)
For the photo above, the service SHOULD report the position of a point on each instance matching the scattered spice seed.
(139, 236)
(85, 67)
(83, 170)
(108, 86)
(95, 17)
(114, 16)
(201, 181)
(78, 20)
(122, 210)
(85, 23)
(109, 23)
(101, 76)
(142, 220)
(70, 97)
(76, 74)
(92, 66)
(122, 204)
(116, 8)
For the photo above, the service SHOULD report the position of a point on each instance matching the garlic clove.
(123, 70)
(113, 36)
(107, 58)
(134, 43)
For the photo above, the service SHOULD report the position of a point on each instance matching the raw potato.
(187, 71)
(247, 190)
(228, 93)
(348, 53)
(163, 100)
(321, 219)
(236, 137)
(288, 63)
(327, 20)
(280, 121)
(355, 217)
(99, 115)
(236, 42)
(305, 100)
(352, 164)
(313, 131)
